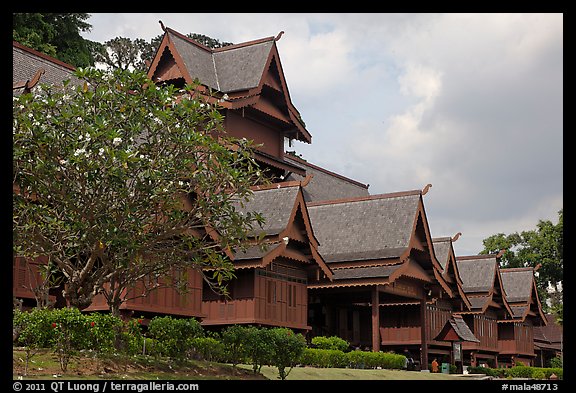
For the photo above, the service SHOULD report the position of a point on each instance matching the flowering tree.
(119, 179)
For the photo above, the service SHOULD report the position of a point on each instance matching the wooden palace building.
(335, 259)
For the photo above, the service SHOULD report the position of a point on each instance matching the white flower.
(225, 96)
(101, 151)
(202, 105)
(78, 118)
(80, 137)
(116, 141)
(63, 162)
(180, 183)
(88, 138)
(78, 152)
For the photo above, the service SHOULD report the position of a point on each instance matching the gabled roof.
(286, 221)
(326, 185)
(366, 228)
(375, 239)
(549, 335)
(521, 293)
(30, 67)
(481, 281)
(446, 257)
(455, 329)
(239, 74)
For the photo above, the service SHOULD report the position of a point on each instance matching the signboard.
(457, 350)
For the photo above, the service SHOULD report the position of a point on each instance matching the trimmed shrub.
(172, 335)
(520, 372)
(324, 358)
(233, 338)
(258, 347)
(332, 342)
(208, 348)
(287, 348)
(538, 373)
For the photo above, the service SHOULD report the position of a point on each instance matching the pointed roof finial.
(500, 253)
(537, 267)
(456, 236)
(425, 190)
(162, 25)
(278, 36)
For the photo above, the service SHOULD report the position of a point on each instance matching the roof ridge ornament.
(500, 253)
(162, 25)
(456, 236)
(425, 189)
(279, 36)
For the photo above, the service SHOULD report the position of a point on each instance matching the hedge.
(354, 359)
(518, 372)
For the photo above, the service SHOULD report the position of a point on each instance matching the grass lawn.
(90, 366)
(313, 373)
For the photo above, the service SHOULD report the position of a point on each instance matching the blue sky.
(471, 103)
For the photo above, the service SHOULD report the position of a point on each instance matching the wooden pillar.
(423, 335)
(375, 320)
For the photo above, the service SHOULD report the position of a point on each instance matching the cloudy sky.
(471, 103)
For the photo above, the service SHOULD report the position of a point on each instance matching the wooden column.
(375, 320)
(423, 335)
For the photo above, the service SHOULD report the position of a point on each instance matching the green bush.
(556, 362)
(323, 358)
(257, 345)
(234, 339)
(332, 342)
(538, 373)
(103, 330)
(172, 335)
(520, 372)
(286, 349)
(208, 348)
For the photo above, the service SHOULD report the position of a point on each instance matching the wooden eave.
(167, 43)
(416, 243)
(366, 263)
(501, 291)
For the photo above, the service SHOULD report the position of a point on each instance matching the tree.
(543, 246)
(54, 34)
(120, 180)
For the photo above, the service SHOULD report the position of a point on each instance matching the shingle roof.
(227, 70)
(26, 62)
(457, 325)
(477, 273)
(365, 228)
(442, 250)
(517, 284)
(551, 332)
(326, 185)
(365, 272)
(478, 302)
(254, 252)
(275, 204)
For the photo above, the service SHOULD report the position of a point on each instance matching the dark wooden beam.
(423, 330)
(376, 319)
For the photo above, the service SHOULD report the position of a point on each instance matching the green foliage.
(119, 175)
(332, 342)
(257, 345)
(323, 358)
(556, 362)
(233, 338)
(286, 348)
(208, 348)
(518, 372)
(543, 245)
(172, 336)
(103, 331)
(55, 34)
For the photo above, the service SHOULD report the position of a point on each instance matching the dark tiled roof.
(517, 284)
(275, 204)
(254, 252)
(442, 250)
(26, 62)
(326, 185)
(366, 228)
(551, 332)
(365, 272)
(518, 311)
(230, 70)
(462, 329)
(478, 302)
(477, 273)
